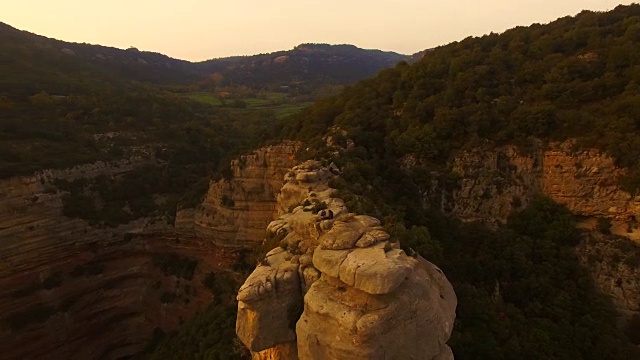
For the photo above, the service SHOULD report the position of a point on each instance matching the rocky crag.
(73, 290)
(70, 289)
(614, 262)
(490, 183)
(236, 211)
(338, 286)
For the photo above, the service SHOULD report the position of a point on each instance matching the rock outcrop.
(236, 211)
(491, 183)
(614, 262)
(339, 287)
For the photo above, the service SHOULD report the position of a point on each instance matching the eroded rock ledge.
(235, 212)
(340, 287)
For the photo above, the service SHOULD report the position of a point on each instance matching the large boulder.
(266, 302)
(343, 322)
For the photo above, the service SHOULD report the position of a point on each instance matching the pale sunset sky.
(202, 29)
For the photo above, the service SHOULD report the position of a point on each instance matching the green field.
(280, 103)
(204, 97)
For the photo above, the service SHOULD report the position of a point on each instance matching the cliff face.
(72, 290)
(338, 286)
(491, 183)
(614, 262)
(235, 212)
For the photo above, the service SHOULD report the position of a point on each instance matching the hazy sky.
(204, 29)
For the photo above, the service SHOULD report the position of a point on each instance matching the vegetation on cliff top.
(577, 77)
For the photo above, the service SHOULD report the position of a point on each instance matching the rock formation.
(235, 212)
(614, 262)
(492, 183)
(338, 286)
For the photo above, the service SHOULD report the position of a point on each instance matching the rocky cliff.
(338, 286)
(614, 262)
(236, 211)
(69, 289)
(490, 183)
(75, 290)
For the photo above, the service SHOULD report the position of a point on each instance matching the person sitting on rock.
(323, 214)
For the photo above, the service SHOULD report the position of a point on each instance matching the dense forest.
(211, 334)
(185, 142)
(576, 77)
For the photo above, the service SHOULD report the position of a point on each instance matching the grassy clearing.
(205, 97)
(280, 103)
(285, 110)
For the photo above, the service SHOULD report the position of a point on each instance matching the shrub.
(168, 297)
(227, 201)
(173, 264)
(604, 226)
(52, 281)
(319, 206)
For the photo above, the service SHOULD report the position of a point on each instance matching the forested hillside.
(305, 67)
(65, 104)
(574, 78)
(522, 292)
(31, 63)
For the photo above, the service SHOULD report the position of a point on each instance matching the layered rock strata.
(339, 287)
(492, 183)
(73, 290)
(236, 211)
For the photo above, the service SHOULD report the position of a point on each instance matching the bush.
(227, 201)
(604, 226)
(52, 281)
(173, 264)
(168, 297)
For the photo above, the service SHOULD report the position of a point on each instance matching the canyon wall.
(490, 183)
(70, 289)
(235, 212)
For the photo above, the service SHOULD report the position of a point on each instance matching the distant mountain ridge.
(45, 64)
(306, 63)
